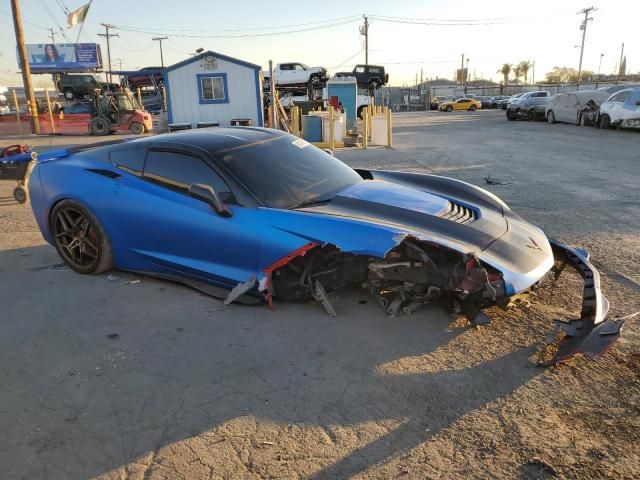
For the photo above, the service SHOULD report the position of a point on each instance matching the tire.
(20, 195)
(266, 85)
(314, 80)
(582, 121)
(531, 115)
(136, 128)
(449, 108)
(551, 117)
(510, 116)
(80, 239)
(605, 121)
(68, 94)
(473, 108)
(360, 110)
(374, 85)
(99, 126)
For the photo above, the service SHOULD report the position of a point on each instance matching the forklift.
(113, 111)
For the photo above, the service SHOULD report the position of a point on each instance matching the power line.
(160, 39)
(53, 18)
(253, 29)
(583, 27)
(348, 59)
(246, 35)
(108, 35)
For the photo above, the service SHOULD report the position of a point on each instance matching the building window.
(213, 88)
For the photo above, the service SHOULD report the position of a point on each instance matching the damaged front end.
(416, 273)
(591, 334)
(411, 275)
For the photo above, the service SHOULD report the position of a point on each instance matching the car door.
(167, 231)
(461, 104)
(616, 104)
(631, 106)
(284, 74)
(570, 108)
(298, 73)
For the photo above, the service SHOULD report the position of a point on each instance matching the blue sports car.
(251, 214)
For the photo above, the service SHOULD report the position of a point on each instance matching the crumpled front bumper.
(591, 334)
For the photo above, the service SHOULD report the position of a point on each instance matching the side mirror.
(207, 194)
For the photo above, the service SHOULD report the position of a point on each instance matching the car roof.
(215, 139)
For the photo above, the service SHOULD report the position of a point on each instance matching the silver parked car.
(578, 108)
(530, 105)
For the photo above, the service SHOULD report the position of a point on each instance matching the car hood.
(419, 212)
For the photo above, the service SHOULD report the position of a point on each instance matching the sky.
(424, 36)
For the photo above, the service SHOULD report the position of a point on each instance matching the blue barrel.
(312, 128)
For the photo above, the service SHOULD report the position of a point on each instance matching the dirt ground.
(189, 389)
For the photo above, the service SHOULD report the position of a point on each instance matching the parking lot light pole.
(600, 64)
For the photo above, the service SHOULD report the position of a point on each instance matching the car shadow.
(102, 371)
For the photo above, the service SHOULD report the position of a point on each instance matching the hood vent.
(458, 213)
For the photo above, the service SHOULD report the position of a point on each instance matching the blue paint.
(167, 91)
(347, 93)
(260, 110)
(201, 99)
(312, 128)
(199, 57)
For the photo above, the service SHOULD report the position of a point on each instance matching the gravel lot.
(191, 390)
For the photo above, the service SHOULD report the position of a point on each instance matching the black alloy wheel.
(79, 239)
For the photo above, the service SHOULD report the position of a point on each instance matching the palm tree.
(524, 67)
(505, 71)
(517, 72)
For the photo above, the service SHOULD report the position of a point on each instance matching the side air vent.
(459, 213)
(104, 172)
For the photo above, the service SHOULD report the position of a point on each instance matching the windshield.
(287, 171)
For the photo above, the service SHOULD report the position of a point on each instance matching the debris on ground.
(239, 290)
(132, 282)
(491, 181)
(113, 336)
(112, 278)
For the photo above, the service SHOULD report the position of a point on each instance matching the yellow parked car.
(460, 104)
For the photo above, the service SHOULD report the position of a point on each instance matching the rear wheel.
(449, 108)
(473, 108)
(531, 115)
(80, 239)
(605, 121)
(99, 126)
(136, 128)
(551, 118)
(20, 195)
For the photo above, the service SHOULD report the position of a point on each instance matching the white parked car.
(574, 107)
(295, 74)
(622, 109)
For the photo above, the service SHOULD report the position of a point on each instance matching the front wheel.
(80, 239)
(473, 108)
(532, 115)
(449, 108)
(605, 121)
(69, 95)
(551, 118)
(136, 128)
(314, 80)
(510, 115)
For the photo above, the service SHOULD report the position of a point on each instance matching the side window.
(360, 69)
(624, 96)
(618, 97)
(285, 66)
(177, 171)
(297, 66)
(131, 160)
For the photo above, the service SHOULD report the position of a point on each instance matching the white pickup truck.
(295, 74)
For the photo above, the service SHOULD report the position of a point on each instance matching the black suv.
(367, 76)
(77, 86)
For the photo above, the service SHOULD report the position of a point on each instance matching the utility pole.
(52, 35)
(620, 64)
(364, 30)
(24, 64)
(583, 27)
(159, 39)
(533, 73)
(600, 64)
(108, 35)
(462, 71)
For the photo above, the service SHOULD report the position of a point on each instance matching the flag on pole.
(78, 15)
